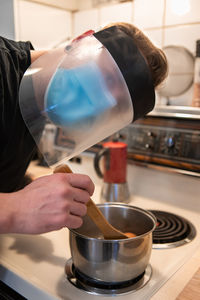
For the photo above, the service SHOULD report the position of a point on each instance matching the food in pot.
(130, 234)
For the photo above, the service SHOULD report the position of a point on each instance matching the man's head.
(154, 56)
(133, 66)
(98, 84)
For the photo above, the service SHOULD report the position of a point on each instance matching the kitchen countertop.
(171, 290)
(192, 290)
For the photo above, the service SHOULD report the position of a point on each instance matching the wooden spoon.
(108, 231)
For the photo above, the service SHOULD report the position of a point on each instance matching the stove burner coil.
(171, 230)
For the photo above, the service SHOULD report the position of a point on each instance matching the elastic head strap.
(133, 67)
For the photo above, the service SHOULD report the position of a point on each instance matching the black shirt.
(17, 147)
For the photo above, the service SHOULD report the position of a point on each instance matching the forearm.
(6, 213)
(48, 203)
(35, 54)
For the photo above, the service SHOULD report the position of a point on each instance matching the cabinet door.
(43, 25)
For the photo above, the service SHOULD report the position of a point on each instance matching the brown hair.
(155, 57)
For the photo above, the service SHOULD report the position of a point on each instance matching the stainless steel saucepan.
(114, 261)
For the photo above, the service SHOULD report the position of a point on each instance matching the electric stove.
(40, 266)
(35, 266)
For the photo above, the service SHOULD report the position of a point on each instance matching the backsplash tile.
(85, 20)
(155, 35)
(182, 11)
(116, 13)
(185, 35)
(148, 14)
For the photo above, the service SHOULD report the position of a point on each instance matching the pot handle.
(97, 158)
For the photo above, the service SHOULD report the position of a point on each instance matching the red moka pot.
(115, 188)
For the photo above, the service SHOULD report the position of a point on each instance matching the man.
(58, 200)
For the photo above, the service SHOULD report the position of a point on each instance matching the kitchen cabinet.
(45, 26)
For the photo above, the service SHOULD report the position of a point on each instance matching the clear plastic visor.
(77, 95)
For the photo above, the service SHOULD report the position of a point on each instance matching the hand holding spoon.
(107, 230)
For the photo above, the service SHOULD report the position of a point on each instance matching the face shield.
(80, 90)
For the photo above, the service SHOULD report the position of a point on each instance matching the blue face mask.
(77, 96)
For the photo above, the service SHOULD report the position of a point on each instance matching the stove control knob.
(150, 140)
(149, 146)
(170, 142)
(151, 134)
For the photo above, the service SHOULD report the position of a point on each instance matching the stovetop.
(35, 265)
(41, 259)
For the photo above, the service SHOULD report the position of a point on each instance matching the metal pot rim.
(118, 204)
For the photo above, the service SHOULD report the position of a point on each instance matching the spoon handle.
(108, 231)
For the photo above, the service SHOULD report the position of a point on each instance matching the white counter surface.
(39, 261)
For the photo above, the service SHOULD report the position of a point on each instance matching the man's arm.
(35, 54)
(48, 203)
